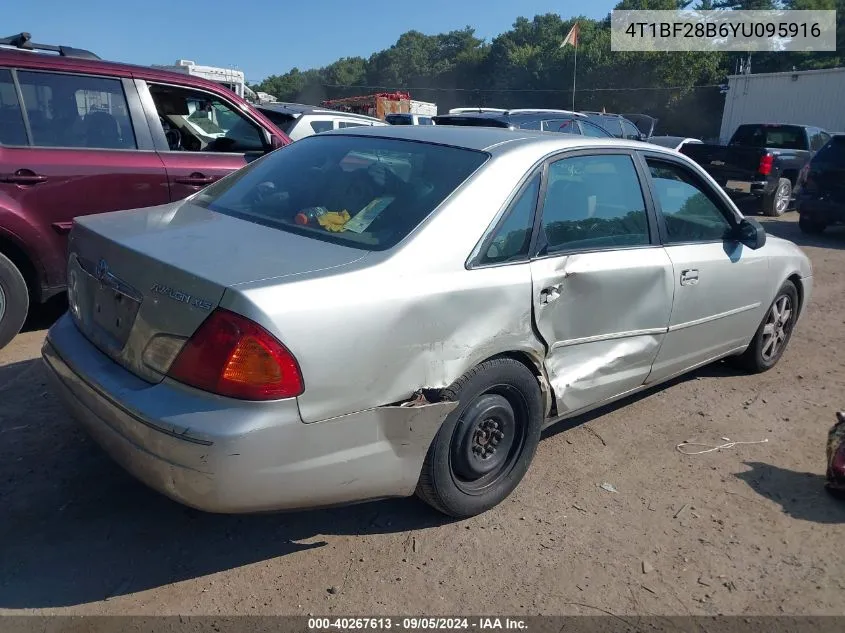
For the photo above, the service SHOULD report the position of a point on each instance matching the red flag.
(573, 36)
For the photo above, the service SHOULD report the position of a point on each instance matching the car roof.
(45, 61)
(488, 139)
(507, 114)
(300, 109)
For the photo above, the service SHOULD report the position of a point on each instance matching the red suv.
(79, 135)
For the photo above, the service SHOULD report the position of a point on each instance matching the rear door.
(200, 136)
(602, 284)
(826, 176)
(719, 297)
(87, 150)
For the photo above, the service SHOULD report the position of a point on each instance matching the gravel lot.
(748, 530)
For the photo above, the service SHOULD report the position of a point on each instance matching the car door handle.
(689, 277)
(24, 177)
(195, 179)
(547, 295)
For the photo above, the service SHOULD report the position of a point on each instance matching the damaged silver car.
(370, 313)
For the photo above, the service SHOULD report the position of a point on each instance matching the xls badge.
(181, 297)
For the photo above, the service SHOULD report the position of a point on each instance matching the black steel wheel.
(484, 447)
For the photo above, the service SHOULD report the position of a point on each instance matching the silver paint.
(370, 330)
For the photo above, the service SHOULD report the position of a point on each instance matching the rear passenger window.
(689, 213)
(76, 111)
(593, 202)
(513, 236)
(588, 129)
(12, 128)
(321, 126)
(343, 124)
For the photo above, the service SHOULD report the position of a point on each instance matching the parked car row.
(594, 124)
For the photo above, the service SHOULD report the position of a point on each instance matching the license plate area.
(104, 309)
(738, 186)
(114, 313)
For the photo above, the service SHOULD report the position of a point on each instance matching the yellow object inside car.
(334, 220)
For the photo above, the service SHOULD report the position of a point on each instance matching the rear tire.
(776, 203)
(14, 301)
(485, 445)
(774, 333)
(811, 227)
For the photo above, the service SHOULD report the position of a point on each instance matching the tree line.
(526, 67)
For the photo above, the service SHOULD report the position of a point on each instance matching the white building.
(807, 97)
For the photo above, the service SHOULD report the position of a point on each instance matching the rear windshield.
(281, 120)
(773, 136)
(471, 121)
(832, 154)
(399, 119)
(364, 192)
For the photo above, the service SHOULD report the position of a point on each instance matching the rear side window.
(343, 124)
(593, 130)
(630, 131)
(424, 120)
(593, 202)
(832, 154)
(513, 237)
(76, 111)
(12, 128)
(321, 126)
(358, 191)
(818, 139)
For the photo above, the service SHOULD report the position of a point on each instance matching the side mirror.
(751, 233)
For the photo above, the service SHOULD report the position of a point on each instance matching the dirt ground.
(748, 530)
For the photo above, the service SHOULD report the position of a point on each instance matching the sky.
(264, 37)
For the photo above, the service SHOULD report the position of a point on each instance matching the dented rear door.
(602, 286)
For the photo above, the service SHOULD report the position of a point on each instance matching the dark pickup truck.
(762, 163)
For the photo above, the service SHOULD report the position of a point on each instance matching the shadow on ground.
(833, 237)
(801, 495)
(44, 315)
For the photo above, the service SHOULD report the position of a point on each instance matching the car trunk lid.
(141, 282)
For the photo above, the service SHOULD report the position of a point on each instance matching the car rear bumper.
(222, 455)
(821, 210)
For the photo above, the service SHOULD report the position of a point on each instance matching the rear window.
(362, 192)
(472, 121)
(832, 154)
(773, 136)
(399, 119)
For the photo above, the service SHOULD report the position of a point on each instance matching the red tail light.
(230, 355)
(766, 164)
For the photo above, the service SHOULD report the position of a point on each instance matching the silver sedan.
(371, 313)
